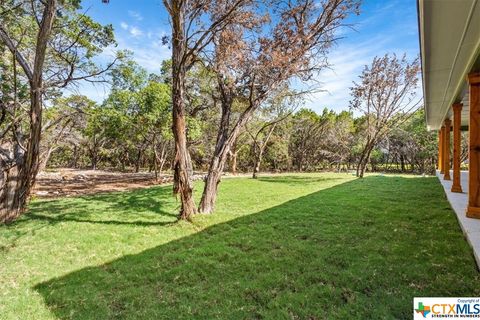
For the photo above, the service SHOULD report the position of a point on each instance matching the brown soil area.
(69, 182)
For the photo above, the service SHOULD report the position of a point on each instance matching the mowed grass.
(310, 246)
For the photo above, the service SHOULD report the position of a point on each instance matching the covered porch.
(459, 203)
(450, 53)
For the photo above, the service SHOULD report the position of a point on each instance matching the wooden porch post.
(442, 149)
(457, 109)
(440, 145)
(446, 153)
(473, 209)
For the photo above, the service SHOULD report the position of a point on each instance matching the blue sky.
(388, 26)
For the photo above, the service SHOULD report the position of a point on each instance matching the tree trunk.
(138, 160)
(124, 160)
(256, 167)
(94, 153)
(19, 180)
(300, 164)
(155, 156)
(222, 147)
(74, 163)
(234, 163)
(10, 188)
(261, 149)
(93, 158)
(209, 196)
(360, 163)
(45, 157)
(224, 143)
(365, 158)
(233, 159)
(182, 163)
(163, 157)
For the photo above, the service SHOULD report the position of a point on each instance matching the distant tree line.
(130, 131)
(304, 141)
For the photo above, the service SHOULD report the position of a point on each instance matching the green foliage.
(155, 104)
(166, 72)
(128, 75)
(194, 128)
(89, 35)
(136, 115)
(413, 144)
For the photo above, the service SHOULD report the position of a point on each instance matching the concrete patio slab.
(459, 201)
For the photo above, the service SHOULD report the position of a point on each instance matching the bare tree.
(386, 95)
(257, 54)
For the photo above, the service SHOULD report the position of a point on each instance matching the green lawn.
(308, 246)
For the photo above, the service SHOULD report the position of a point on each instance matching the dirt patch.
(66, 182)
(70, 182)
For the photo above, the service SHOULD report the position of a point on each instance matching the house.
(450, 51)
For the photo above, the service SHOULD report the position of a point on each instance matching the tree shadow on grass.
(362, 249)
(66, 217)
(142, 207)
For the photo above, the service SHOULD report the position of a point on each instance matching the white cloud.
(135, 15)
(135, 32)
(148, 54)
